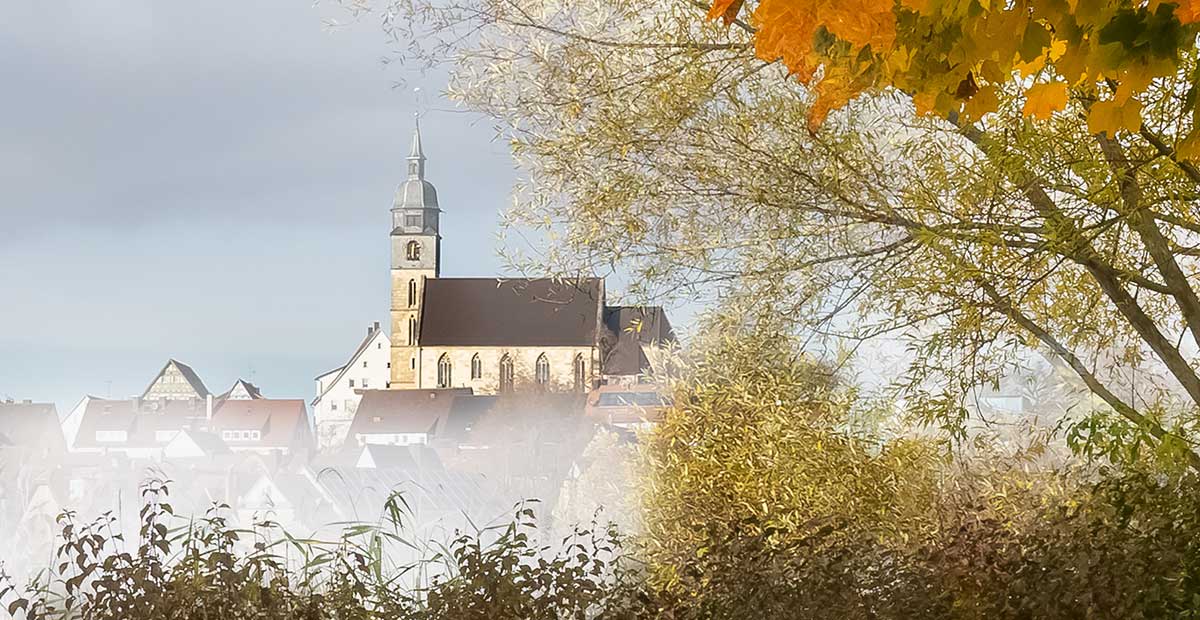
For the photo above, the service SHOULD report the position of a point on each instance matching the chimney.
(208, 404)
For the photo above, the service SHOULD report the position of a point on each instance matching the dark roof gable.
(629, 329)
(490, 312)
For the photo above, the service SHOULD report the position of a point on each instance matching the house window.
(352, 383)
(476, 367)
(412, 293)
(364, 364)
(443, 376)
(412, 331)
(506, 373)
(333, 405)
(111, 436)
(412, 251)
(580, 369)
(364, 382)
(542, 369)
(412, 221)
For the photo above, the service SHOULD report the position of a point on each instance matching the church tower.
(416, 257)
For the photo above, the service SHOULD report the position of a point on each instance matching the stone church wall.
(561, 360)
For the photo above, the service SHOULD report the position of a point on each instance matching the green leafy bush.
(207, 569)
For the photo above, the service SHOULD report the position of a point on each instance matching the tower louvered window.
(542, 369)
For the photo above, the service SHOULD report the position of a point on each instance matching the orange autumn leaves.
(792, 32)
(953, 55)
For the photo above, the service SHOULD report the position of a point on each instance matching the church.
(489, 335)
(495, 335)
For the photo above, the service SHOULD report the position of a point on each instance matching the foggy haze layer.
(210, 182)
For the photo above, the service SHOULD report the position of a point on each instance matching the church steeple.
(415, 208)
(416, 156)
(416, 257)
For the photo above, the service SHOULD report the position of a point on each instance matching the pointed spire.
(416, 156)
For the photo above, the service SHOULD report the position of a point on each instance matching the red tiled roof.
(281, 422)
(403, 411)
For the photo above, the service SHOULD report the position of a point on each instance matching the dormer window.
(412, 221)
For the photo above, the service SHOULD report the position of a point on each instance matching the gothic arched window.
(580, 374)
(412, 331)
(506, 373)
(412, 293)
(542, 369)
(412, 251)
(444, 371)
(476, 367)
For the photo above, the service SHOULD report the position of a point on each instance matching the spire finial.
(416, 156)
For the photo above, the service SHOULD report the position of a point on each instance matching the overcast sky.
(210, 181)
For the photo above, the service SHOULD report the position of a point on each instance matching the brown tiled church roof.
(490, 312)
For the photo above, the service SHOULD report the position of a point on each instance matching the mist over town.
(534, 310)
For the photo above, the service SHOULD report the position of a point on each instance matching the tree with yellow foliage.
(972, 179)
(953, 55)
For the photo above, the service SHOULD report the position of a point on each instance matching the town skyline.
(290, 183)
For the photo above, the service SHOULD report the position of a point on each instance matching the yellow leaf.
(1189, 147)
(916, 6)
(1058, 47)
(1110, 116)
(984, 102)
(924, 102)
(861, 22)
(1031, 67)
(1042, 100)
(1133, 80)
